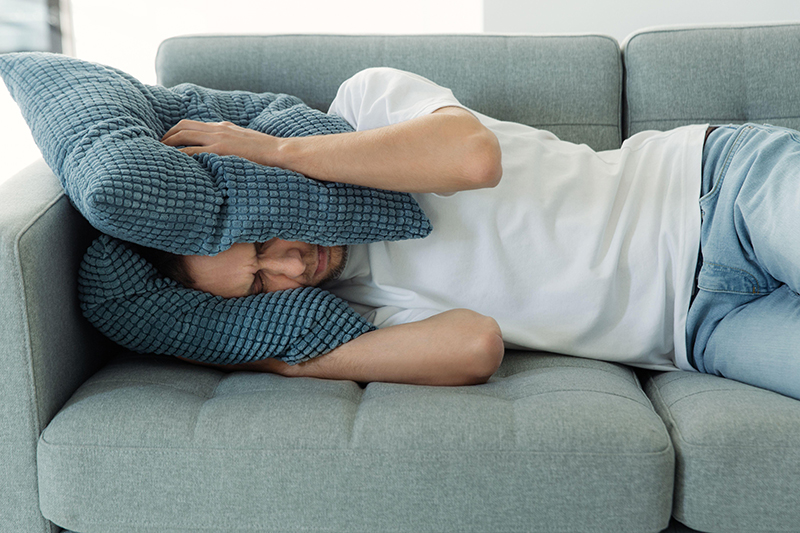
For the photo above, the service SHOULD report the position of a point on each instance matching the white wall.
(619, 18)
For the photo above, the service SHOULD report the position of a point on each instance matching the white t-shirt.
(576, 252)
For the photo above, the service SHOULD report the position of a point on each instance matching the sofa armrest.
(47, 349)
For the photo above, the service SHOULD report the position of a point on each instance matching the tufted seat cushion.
(576, 443)
(737, 452)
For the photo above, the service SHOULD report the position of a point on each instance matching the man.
(572, 251)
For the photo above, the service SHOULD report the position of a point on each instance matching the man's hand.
(458, 347)
(446, 151)
(221, 138)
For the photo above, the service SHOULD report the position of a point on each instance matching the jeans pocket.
(715, 277)
(720, 148)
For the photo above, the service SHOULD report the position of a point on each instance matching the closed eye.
(259, 285)
(261, 247)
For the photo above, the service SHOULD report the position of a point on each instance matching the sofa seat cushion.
(550, 443)
(737, 452)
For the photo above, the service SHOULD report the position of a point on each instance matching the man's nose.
(288, 262)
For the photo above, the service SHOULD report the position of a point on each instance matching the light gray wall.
(619, 18)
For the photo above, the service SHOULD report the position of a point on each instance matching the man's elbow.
(484, 166)
(484, 355)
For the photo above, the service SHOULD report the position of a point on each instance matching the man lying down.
(537, 244)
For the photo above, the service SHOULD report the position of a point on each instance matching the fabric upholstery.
(568, 84)
(527, 451)
(737, 452)
(719, 75)
(46, 347)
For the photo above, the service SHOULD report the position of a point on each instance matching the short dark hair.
(168, 264)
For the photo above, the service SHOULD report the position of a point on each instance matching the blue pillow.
(133, 305)
(99, 130)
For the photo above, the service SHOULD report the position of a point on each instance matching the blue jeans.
(744, 321)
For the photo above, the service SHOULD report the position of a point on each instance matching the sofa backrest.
(720, 75)
(570, 85)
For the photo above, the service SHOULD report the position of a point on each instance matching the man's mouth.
(323, 256)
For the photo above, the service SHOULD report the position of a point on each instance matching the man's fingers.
(183, 124)
(222, 138)
(190, 125)
(189, 138)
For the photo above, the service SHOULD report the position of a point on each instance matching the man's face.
(245, 269)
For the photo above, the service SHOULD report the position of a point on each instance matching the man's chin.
(338, 260)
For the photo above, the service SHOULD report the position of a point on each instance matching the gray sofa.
(95, 439)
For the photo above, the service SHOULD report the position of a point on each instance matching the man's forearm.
(446, 151)
(458, 347)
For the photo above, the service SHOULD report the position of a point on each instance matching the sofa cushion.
(725, 74)
(551, 443)
(737, 452)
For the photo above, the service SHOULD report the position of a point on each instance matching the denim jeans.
(744, 321)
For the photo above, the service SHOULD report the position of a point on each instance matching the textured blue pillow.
(133, 305)
(99, 130)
